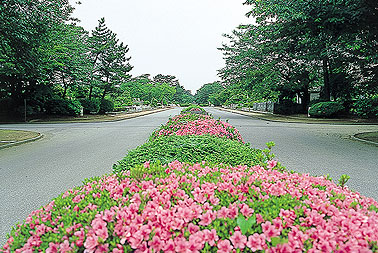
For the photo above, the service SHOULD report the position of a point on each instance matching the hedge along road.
(317, 149)
(33, 174)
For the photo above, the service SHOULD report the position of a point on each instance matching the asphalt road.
(317, 149)
(34, 173)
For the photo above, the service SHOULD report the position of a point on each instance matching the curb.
(22, 142)
(290, 120)
(130, 116)
(362, 140)
(134, 116)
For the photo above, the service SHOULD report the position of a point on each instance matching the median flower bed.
(180, 125)
(194, 109)
(245, 204)
(191, 208)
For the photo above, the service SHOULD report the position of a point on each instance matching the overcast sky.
(170, 37)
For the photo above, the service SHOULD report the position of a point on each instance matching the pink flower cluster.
(196, 207)
(201, 126)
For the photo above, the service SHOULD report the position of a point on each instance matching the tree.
(110, 64)
(68, 56)
(327, 33)
(203, 94)
(25, 29)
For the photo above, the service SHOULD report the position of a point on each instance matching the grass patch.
(371, 136)
(10, 136)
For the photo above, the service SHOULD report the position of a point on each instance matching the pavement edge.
(22, 142)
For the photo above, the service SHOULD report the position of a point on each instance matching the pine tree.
(110, 64)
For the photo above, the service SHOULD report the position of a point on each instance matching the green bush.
(326, 109)
(288, 107)
(191, 149)
(62, 107)
(90, 105)
(194, 109)
(106, 106)
(366, 107)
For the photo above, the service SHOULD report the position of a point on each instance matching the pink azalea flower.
(238, 240)
(271, 164)
(53, 248)
(207, 218)
(65, 247)
(256, 242)
(147, 164)
(224, 246)
(91, 243)
(210, 236)
(192, 228)
(270, 230)
(156, 243)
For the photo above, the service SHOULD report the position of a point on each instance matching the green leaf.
(244, 224)
(278, 240)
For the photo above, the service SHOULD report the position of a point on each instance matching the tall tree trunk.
(65, 88)
(327, 84)
(90, 92)
(92, 72)
(106, 88)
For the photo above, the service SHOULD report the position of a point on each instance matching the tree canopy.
(297, 46)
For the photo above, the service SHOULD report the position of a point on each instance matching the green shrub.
(326, 109)
(185, 104)
(6, 104)
(191, 149)
(366, 107)
(62, 107)
(90, 105)
(194, 109)
(106, 106)
(288, 107)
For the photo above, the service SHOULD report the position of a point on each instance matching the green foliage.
(245, 224)
(192, 149)
(90, 105)
(300, 45)
(110, 64)
(343, 180)
(63, 107)
(106, 106)
(194, 109)
(25, 39)
(366, 107)
(203, 95)
(326, 109)
(288, 107)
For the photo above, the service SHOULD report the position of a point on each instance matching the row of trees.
(298, 46)
(45, 56)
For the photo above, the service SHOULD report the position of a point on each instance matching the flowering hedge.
(186, 125)
(202, 207)
(192, 149)
(184, 208)
(194, 109)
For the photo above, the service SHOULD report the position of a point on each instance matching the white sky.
(169, 37)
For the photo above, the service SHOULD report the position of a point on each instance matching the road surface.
(34, 173)
(317, 149)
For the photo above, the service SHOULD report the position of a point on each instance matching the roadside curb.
(362, 140)
(22, 142)
(290, 120)
(136, 115)
(127, 116)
